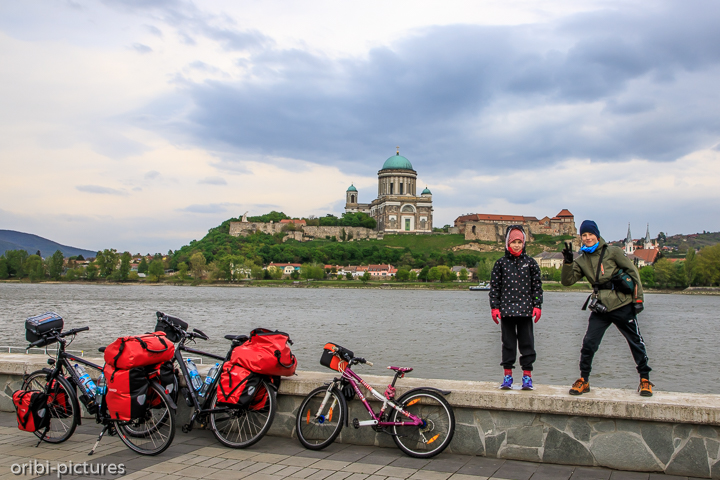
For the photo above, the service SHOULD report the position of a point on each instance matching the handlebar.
(360, 360)
(56, 336)
(197, 333)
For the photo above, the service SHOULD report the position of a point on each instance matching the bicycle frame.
(377, 418)
(199, 409)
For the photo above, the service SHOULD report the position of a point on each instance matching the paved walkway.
(199, 455)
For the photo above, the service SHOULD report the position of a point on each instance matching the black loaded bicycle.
(234, 426)
(150, 434)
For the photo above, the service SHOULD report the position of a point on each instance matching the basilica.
(397, 208)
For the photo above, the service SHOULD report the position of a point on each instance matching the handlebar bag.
(31, 410)
(40, 325)
(139, 351)
(335, 357)
(164, 374)
(170, 332)
(126, 396)
(266, 352)
(237, 385)
(58, 401)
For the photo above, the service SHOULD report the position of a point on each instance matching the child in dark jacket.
(516, 297)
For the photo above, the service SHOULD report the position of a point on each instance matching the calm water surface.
(441, 334)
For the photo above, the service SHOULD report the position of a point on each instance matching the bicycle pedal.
(186, 428)
(356, 423)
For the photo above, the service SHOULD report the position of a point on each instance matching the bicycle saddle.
(232, 338)
(401, 369)
(101, 349)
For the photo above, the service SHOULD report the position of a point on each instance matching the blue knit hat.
(588, 226)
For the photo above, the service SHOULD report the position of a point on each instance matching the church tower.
(351, 196)
(629, 245)
(648, 244)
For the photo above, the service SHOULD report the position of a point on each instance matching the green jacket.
(586, 266)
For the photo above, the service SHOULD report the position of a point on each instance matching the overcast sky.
(138, 125)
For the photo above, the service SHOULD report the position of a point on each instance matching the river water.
(442, 334)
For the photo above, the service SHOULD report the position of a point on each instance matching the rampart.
(303, 233)
(674, 433)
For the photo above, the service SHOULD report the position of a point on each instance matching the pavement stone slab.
(326, 464)
(430, 475)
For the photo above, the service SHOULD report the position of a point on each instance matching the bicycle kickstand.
(107, 427)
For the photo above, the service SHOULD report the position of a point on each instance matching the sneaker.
(527, 383)
(507, 382)
(580, 386)
(645, 387)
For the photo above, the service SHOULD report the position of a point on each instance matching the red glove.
(495, 313)
(537, 313)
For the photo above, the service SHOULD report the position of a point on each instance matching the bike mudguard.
(75, 400)
(171, 402)
(444, 392)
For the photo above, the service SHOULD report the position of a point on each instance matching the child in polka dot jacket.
(516, 297)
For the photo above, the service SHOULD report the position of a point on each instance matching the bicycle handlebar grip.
(369, 363)
(35, 343)
(159, 314)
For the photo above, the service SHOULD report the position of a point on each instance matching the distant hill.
(12, 240)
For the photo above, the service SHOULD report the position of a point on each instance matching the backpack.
(40, 325)
(126, 396)
(266, 352)
(31, 410)
(237, 386)
(139, 351)
(335, 357)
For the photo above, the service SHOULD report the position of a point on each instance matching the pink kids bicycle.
(421, 422)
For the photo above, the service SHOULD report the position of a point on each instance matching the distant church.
(397, 208)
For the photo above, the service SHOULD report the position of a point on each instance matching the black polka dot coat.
(515, 284)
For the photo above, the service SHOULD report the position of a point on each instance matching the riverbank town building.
(397, 208)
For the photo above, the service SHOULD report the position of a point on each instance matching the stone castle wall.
(489, 232)
(301, 234)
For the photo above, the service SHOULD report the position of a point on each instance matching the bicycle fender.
(170, 400)
(443, 392)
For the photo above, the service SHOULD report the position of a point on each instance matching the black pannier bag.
(40, 325)
(170, 333)
(31, 410)
(164, 374)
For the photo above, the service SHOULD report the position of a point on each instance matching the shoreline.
(356, 284)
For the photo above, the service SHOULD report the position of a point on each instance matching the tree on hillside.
(143, 266)
(365, 277)
(312, 271)
(402, 275)
(91, 272)
(3, 268)
(156, 270)
(124, 270)
(257, 272)
(198, 265)
(647, 276)
(35, 268)
(463, 274)
(80, 258)
(15, 262)
(55, 265)
(708, 265)
(690, 265)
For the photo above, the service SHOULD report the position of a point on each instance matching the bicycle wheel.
(154, 432)
(431, 438)
(63, 406)
(244, 426)
(317, 429)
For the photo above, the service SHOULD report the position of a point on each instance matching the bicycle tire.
(317, 432)
(428, 441)
(243, 426)
(62, 422)
(154, 432)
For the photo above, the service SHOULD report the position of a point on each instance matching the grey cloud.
(141, 48)
(213, 181)
(152, 175)
(211, 208)
(154, 30)
(99, 190)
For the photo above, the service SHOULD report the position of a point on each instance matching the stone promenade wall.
(674, 433)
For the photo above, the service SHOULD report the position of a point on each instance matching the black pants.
(517, 332)
(624, 319)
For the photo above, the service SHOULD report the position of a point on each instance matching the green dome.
(352, 188)
(426, 191)
(397, 162)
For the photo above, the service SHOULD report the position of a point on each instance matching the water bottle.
(209, 379)
(87, 383)
(101, 390)
(194, 375)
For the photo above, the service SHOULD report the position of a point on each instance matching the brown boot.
(580, 386)
(645, 387)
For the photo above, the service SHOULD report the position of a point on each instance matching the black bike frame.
(199, 409)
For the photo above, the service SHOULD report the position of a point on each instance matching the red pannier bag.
(58, 401)
(266, 352)
(237, 385)
(139, 351)
(164, 374)
(126, 396)
(31, 410)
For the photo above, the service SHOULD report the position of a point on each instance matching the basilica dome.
(397, 162)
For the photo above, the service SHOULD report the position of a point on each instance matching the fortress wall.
(322, 232)
(242, 229)
(674, 433)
